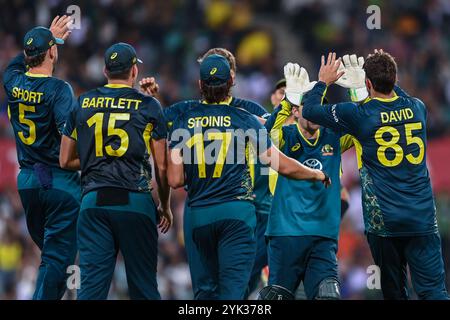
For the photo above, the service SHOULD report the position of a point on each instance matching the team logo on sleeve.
(327, 150)
(313, 164)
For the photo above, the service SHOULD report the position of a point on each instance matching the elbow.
(64, 162)
(175, 181)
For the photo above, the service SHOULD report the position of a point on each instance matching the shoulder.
(290, 129)
(250, 106)
(175, 110)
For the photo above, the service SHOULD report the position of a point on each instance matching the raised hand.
(297, 82)
(60, 27)
(149, 86)
(329, 70)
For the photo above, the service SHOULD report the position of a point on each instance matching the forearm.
(73, 164)
(17, 65)
(163, 187)
(312, 110)
(175, 168)
(68, 156)
(293, 169)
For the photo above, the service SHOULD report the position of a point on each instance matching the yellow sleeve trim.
(346, 142)
(276, 133)
(74, 134)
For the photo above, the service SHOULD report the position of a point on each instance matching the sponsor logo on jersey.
(313, 164)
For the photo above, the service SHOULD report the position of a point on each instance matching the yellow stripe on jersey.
(346, 142)
(276, 133)
(359, 151)
(225, 102)
(74, 135)
(117, 85)
(307, 140)
(147, 135)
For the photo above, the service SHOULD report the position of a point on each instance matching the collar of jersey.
(225, 102)
(307, 140)
(36, 75)
(395, 97)
(117, 85)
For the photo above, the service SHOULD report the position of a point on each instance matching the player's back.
(394, 174)
(114, 125)
(215, 141)
(37, 107)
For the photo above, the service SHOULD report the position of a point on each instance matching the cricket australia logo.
(313, 164)
(327, 150)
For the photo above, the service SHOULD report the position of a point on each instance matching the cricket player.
(260, 178)
(398, 205)
(304, 221)
(208, 154)
(113, 129)
(38, 105)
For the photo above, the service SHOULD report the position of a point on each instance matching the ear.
(135, 71)
(104, 72)
(368, 85)
(51, 52)
(296, 111)
(233, 76)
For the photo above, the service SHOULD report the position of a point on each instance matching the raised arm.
(16, 66)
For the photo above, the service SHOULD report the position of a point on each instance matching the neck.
(375, 94)
(309, 134)
(128, 82)
(42, 69)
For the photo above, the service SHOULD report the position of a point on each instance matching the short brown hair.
(222, 52)
(35, 61)
(216, 94)
(123, 75)
(381, 70)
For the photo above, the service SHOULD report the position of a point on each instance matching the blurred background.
(170, 35)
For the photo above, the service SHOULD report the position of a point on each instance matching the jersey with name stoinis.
(215, 141)
(37, 108)
(113, 126)
(262, 194)
(391, 147)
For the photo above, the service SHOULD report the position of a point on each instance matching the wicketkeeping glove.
(297, 83)
(354, 77)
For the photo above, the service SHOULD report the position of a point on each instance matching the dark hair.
(123, 75)
(216, 94)
(35, 61)
(222, 52)
(381, 70)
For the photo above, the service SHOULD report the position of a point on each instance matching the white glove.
(354, 77)
(297, 83)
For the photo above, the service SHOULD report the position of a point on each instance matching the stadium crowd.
(169, 36)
